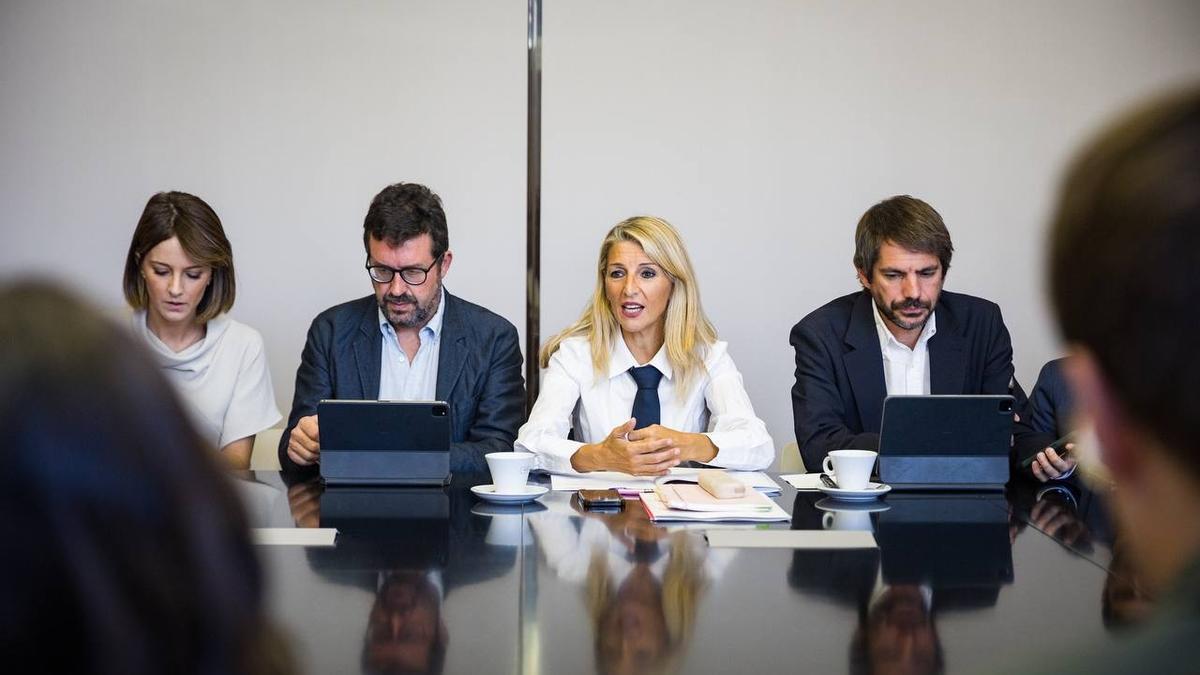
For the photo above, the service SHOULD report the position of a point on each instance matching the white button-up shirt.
(400, 380)
(715, 404)
(906, 371)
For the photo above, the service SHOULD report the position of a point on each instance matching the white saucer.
(835, 505)
(872, 491)
(528, 493)
(492, 509)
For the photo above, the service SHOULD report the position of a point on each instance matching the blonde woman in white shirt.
(179, 280)
(644, 324)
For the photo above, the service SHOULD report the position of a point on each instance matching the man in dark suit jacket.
(411, 340)
(888, 338)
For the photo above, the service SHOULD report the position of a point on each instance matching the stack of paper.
(692, 497)
(804, 482)
(659, 511)
(601, 480)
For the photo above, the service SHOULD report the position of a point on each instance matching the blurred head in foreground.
(129, 552)
(1122, 269)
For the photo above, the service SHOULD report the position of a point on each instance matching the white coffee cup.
(851, 469)
(847, 520)
(510, 470)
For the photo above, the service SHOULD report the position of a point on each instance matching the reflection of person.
(179, 277)
(643, 586)
(411, 341)
(1123, 283)
(897, 633)
(641, 373)
(127, 538)
(405, 629)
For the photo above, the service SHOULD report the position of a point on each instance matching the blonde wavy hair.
(688, 332)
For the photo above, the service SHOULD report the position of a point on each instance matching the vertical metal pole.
(533, 204)
(528, 649)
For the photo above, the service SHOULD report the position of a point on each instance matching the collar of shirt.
(886, 338)
(621, 360)
(428, 332)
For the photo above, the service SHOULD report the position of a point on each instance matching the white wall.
(763, 130)
(287, 117)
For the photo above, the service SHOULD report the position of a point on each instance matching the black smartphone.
(601, 499)
(1059, 447)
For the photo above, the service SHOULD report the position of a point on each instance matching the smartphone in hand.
(1059, 447)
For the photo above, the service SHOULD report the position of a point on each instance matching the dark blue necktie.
(645, 401)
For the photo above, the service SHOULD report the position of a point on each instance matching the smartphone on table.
(601, 499)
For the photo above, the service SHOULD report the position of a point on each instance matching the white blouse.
(716, 404)
(223, 379)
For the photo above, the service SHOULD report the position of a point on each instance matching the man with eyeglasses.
(411, 340)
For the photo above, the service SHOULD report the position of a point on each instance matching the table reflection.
(937, 553)
(642, 586)
(554, 588)
(405, 629)
(1078, 518)
(412, 548)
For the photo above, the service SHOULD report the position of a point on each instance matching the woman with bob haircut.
(641, 375)
(179, 280)
(127, 548)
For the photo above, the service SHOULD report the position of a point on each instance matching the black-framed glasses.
(413, 276)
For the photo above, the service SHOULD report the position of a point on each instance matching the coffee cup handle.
(827, 465)
(827, 520)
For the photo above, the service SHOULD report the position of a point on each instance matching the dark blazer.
(479, 375)
(837, 400)
(1051, 404)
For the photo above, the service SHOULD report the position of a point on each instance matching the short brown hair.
(1122, 265)
(403, 211)
(179, 214)
(905, 221)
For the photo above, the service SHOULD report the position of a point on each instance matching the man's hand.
(647, 457)
(692, 447)
(1049, 466)
(1059, 522)
(304, 446)
(304, 500)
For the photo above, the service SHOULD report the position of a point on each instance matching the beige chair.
(265, 455)
(790, 460)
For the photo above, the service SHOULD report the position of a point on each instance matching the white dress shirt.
(223, 379)
(906, 371)
(715, 404)
(570, 545)
(402, 380)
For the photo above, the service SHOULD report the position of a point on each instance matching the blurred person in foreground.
(1122, 269)
(179, 279)
(127, 550)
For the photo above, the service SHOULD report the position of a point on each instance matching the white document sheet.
(602, 480)
(810, 539)
(660, 512)
(294, 536)
(804, 482)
